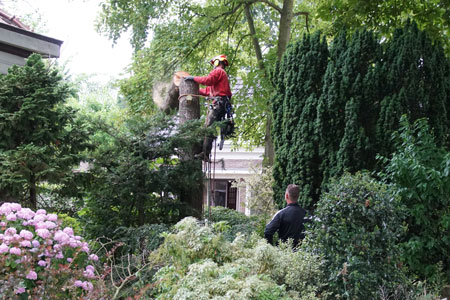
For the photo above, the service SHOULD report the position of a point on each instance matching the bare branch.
(301, 13)
(306, 14)
(271, 4)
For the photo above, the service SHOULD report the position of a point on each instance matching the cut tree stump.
(189, 109)
(189, 105)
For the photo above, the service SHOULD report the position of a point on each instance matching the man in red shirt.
(217, 87)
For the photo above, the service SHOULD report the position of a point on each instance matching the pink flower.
(28, 235)
(93, 257)
(5, 208)
(40, 225)
(78, 283)
(90, 268)
(86, 285)
(10, 231)
(89, 274)
(59, 255)
(26, 214)
(52, 217)
(15, 206)
(85, 247)
(35, 243)
(43, 233)
(11, 217)
(68, 231)
(39, 218)
(25, 243)
(69, 260)
(15, 251)
(4, 248)
(50, 225)
(2, 224)
(42, 263)
(31, 275)
(41, 212)
(61, 237)
(73, 243)
(20, 290)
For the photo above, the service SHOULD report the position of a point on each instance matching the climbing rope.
(192, 95)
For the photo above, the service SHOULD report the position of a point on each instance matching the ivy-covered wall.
(336, 107)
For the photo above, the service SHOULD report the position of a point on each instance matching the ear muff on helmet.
(219, 59)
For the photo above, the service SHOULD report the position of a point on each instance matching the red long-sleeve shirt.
(216, 83)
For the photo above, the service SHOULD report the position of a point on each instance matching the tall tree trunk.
(189, 109)
(33, 194)
(284, 34)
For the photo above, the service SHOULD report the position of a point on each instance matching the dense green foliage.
(299, 83)
(335, 118)
(40, 137)
(234, 222)
(357, 229)
(419, 170)
(137, 177)
(199, 263)
(386, 15)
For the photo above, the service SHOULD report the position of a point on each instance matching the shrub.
(419, 172)
(236, 222)
(358, 228)
(199, 263)
(39, 259)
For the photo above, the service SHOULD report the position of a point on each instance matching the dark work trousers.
(216, 113)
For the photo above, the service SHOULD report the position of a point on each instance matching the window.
(224, 194)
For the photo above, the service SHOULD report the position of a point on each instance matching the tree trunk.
(33, 194)
(269, 149)
(189, 109)
(284, 34)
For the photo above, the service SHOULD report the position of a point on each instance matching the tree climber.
(218, 88)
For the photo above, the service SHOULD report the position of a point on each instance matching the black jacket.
(289, 224)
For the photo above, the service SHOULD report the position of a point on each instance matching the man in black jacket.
(288, 221)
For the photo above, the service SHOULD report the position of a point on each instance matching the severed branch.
(306, 14)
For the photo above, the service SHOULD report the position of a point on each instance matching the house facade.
(17, 42)
(231, 165)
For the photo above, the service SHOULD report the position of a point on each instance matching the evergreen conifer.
(40, 137)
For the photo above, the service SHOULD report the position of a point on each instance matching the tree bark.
(284, 33)
(189, 109)
(251, 27)
(33, 194)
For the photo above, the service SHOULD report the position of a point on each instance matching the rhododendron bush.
(41, 260)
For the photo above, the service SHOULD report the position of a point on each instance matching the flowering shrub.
(200, 263)
(39, 260)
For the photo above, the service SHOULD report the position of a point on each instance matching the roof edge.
(31, 34)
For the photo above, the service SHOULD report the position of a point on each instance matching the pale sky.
(72, 21)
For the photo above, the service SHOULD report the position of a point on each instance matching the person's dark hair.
(293, 192)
